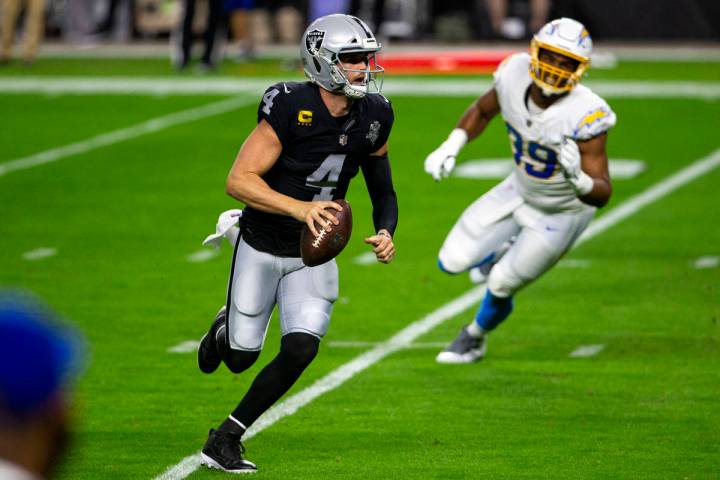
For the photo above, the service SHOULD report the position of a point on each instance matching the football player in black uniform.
(311, 139)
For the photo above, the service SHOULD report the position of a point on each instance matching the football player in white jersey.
(520, 228)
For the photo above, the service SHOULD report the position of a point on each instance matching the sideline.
(462, 87)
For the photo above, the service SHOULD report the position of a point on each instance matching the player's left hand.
(441, 162)
(383, 246)
(570, 159)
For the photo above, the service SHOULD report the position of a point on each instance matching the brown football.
(323, 248)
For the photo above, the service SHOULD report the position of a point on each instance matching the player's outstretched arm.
(476, 118)
(585, 164)
(257, 155)
(378, 178)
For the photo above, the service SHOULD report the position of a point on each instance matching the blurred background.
(242, 30)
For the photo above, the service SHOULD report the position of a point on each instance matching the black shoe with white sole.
(209, 358)
(224, 451)
(464, 349)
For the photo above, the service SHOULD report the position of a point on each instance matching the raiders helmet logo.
(314, 40)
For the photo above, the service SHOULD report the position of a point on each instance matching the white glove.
(572, 168)
(441, 162)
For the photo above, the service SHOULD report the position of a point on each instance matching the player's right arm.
(585, 165)
(257, 155)
(477, 117)
(473, 122)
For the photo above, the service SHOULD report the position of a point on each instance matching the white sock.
(475, 330)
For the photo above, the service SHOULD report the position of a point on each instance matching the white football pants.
(259, 281)
(493, 219)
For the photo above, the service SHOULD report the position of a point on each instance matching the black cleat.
(209, 358)
(224, 451)
(464, 349)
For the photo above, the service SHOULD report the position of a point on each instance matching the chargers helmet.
(331, 36)
(567, 37)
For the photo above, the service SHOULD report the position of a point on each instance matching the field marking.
(185, 347)
(39, 254)
(586, 351)
(203, 255)
(405, 336)
(115, 136)
(708, 261)
(367, 258)
(574, 263)
(499, 168)
(393, 86)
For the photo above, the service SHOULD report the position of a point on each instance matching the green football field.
(108, 231)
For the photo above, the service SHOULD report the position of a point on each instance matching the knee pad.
(240, 360)
(299, 349)
(448, 264)
(504, 281)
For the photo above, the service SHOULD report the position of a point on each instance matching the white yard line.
(708, 261)
(586, 351)
(39, 254)
(406, 336)
(367, 258)
(120, 135)
(202, 255)
(185, 347)
(393, 86)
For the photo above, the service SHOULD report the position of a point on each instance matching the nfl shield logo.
(314, 40)
(343, 139)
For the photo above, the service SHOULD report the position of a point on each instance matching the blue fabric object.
(231, 5)
(37, 356)
(493, 310)
(320, 8)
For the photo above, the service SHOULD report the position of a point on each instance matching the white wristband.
(583, 184)
(456, 140)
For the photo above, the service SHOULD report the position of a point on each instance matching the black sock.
(297, 350)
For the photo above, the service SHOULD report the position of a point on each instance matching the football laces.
(320, 237)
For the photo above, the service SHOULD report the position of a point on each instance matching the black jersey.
(320, 155)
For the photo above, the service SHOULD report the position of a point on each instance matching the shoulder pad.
(593, 122)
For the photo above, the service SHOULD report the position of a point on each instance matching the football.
(316, 250)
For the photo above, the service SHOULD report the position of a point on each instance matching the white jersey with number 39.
(536, 135)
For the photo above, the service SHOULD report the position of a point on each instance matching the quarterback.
(311, 139)
(558, 130)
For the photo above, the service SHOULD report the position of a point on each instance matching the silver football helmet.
(331, 36)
